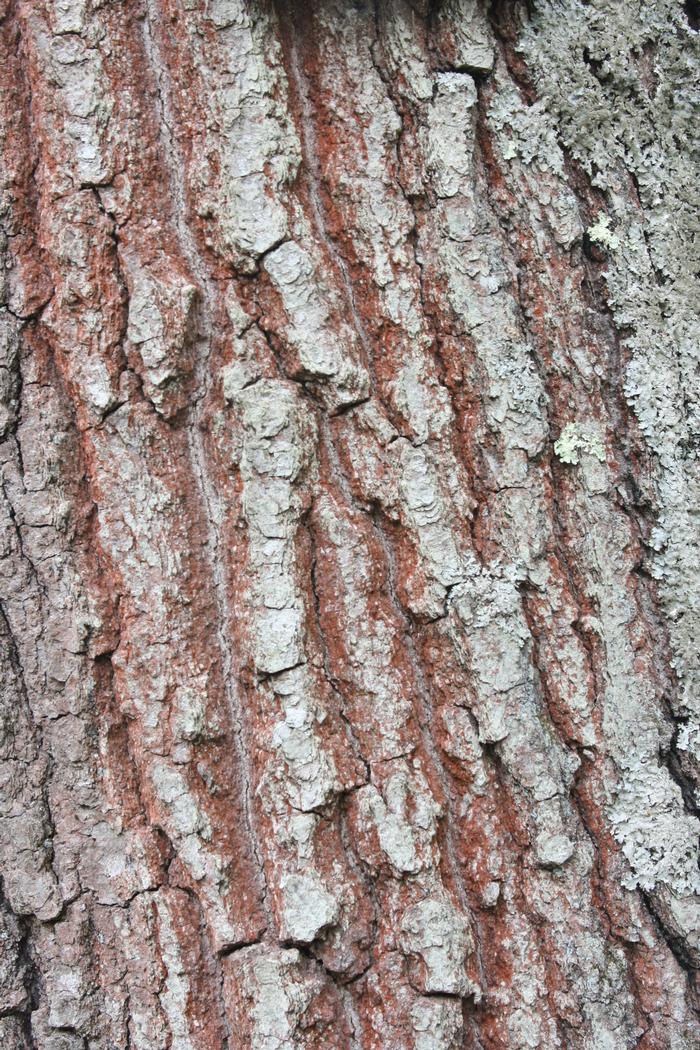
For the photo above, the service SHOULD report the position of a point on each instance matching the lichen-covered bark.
(349, 590)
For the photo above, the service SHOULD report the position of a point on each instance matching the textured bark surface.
(349, 542)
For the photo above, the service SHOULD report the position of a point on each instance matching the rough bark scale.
(349, 595)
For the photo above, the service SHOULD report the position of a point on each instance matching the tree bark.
(349, 591)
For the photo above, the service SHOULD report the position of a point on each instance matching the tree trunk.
(349, 415)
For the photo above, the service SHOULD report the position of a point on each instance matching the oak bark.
(349, 591)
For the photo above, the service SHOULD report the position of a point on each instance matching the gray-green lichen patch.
(621, 83)
(601, 233)
(578, 438)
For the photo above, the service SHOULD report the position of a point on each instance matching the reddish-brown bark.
(348, 552)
